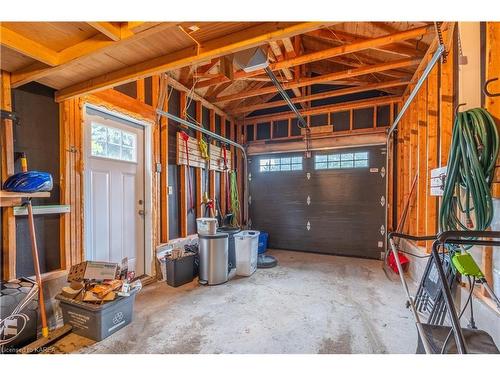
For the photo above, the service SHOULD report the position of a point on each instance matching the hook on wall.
(458, 107)
(485, 88)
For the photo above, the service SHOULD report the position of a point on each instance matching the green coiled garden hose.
(471, 168)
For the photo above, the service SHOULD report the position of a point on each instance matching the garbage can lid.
(212, 236)
(230, 230)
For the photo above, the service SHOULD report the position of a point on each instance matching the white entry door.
(114, 184)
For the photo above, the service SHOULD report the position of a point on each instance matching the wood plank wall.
(72, 163)
(424, 139)
(423, 142)
(7, 150)
(492, 104)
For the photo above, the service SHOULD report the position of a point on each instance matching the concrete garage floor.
(310, 303)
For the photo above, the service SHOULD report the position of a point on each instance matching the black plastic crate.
(180, 271)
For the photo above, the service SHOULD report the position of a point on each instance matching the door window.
(113, 143)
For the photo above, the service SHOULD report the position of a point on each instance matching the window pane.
(321, 158)
(114, 151)
(346, 164)
(346, 156)
(297, 159)
(296, 167)
(274, 168)
(321, 165)
(264, 162)
(98, 148)
(99, 132)
(361, 163)
(285, 167)
(114, 136)
(285, 160)
(333, 164)
(264, 168)
(128, 153)
(334, 157)
(361, 155)
(128, 139)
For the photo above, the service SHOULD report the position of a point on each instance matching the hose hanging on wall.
(471, 167)
(235, 199)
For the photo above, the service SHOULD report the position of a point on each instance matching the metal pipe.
(222, 139)
(439, 51)
(418, 323)
(448, 299)
(284, 95)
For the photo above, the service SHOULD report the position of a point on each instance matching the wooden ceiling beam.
(137, 27)
(28, 47)
(324, 78)
(400, 49)
(179, 86)
(213, 91)
(325, 54)
(353, 47)
(234, 42)
(77, 52)
(323, 95)
(275, 47)
(112, 30)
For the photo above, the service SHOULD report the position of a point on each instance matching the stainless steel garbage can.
(213, 250)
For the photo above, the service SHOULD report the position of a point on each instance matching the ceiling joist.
(28, 47)
(325, 54)
(111, 29)
(322, 79)
(77, 52)
(247, 38)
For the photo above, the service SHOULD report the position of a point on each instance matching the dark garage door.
(331, 203)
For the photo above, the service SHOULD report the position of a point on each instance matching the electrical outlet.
(170, 190)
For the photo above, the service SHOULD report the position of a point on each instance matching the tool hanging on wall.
(205, 154)
(226, 177)
(185, 138)
(235, 199)
(471, 166)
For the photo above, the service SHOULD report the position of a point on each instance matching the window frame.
(288, 162)
(109, 141)
(341, 161)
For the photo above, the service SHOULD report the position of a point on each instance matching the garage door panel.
(343, 214)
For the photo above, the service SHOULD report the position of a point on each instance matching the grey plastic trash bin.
(97, 322)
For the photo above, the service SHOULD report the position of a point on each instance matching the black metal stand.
(474, 238)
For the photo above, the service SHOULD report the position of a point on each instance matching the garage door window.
(281, 164)
(341, 161)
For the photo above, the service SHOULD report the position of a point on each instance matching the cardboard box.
(91, 270)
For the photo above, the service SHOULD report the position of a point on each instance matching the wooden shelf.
(9, 198)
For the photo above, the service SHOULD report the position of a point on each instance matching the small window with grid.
(341, 161)
(281, 164)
